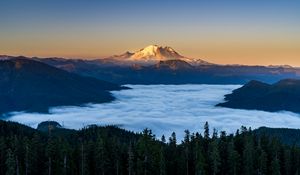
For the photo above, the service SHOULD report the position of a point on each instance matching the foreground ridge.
(111, 150)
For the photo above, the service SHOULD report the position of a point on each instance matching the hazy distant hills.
(28, 85)
(163, 65)
(173, 72)
(283, 95)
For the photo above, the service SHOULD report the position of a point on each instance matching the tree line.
(113, 151)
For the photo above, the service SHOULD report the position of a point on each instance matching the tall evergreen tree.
(263, 163)
(144, 149)
(3, 153)
(186, 144)
(199, 158)
(113, 151)
(206, 131)
(100, 156)
(287, 162)
(130, 160)
(233, 159)
(214, 157)
(172, 164)
(275, 166)
(162, 161)
(262, 167)
(10, 163)
(163, 139)
(36, 155)
(223, 149)
(248, 154)
(50, 155)
(173, 139)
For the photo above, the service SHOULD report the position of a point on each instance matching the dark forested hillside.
(27, 85)
(113, 151)
(286, 135)
(283, 95)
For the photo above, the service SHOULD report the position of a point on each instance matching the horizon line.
(108, 57)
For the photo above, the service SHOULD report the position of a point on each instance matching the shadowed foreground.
(110, 150)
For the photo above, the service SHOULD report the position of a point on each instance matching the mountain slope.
(283, 95)
(285, 135)
(173, 65)
(111, 150)
(27, 85)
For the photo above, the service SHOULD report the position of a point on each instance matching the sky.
(254, 32)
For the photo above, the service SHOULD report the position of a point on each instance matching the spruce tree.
(248, 155)
(130, 160)
(100, 156)
(262, 163)
(172, 167)
(287, 161)
(10, 163)
(186, 144)
(214, 157)
(173, 139)
(3, 149)
(275, 166)
(162, 161)
(199, 159)
(233, 159)
(163, 139)
(206, 131)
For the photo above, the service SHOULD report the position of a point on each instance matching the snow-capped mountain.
(153, 54)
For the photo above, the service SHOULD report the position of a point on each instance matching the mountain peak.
(152, 54)
(155, 52)
(153, 46)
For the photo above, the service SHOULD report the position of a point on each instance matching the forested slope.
(110, 150)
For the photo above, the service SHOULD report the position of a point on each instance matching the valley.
(164, 109)
(149, 87)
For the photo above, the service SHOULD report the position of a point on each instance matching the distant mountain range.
(283, 95)
(163, 65)
(28, 85)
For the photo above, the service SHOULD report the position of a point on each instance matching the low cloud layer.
(164, 109)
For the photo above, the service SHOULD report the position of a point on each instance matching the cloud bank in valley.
(164, 109)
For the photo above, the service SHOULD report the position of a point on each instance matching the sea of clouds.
(164, 109)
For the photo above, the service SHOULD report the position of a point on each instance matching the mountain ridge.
(173, 71)
(28, 85)
(283, 95)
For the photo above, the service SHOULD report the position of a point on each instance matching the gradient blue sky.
(223, 31)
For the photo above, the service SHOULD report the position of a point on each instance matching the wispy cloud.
(164, 109)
